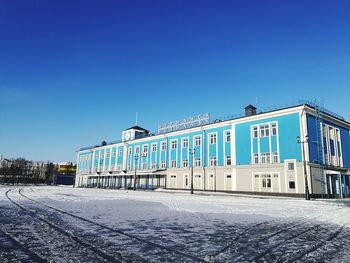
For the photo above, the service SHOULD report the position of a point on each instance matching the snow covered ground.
(65, 224)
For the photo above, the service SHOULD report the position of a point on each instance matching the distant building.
(67, 168)
(66, 174)
(261, 152)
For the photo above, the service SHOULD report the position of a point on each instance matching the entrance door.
(228, 182)
(211, 182)
(172, 181)
(186, 181)
(197, 181)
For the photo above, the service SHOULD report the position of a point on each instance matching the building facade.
(279, 152)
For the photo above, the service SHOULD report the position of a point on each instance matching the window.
(129, 151)
(197, 162)
(212, 161)
(163, 146)
(228, 160)
(291, 184)
(212, 138)
(265, 158)
(255, 132)
(108, 154)
(256, 158)
(173, 144)
(173, 164)
(227, 136)
(266, 180)
(264, 130)
(197, 141)
(163, 166)
(137, 150)
(275, 181)
(97, 155)
(185, 143)
(154, 166)
(268, 158)
(119, 168)
(290, 166)
(273, 129)
(154, 147)
(114, 152)
(144, 149)
(144, 166)
(185, 163)
(275, 157)
(120, 153)
(256, 181)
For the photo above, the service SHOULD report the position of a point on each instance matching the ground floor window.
(256, 182)
(275, 181)
(266, 180)
(186, 180)
(291, 184)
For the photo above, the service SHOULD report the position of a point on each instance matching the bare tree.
(51, 170)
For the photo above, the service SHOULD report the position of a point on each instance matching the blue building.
(279, 152)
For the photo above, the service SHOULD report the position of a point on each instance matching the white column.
(104, 160)
(110, 159)
(92, 163)
(116, 157)
(99, 160)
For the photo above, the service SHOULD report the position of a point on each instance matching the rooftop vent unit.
(250, 110)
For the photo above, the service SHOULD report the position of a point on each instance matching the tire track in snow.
(118, 231)
(318, 245)
(244, 246)
(32, 256)
(89, 246)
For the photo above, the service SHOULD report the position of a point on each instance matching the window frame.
(227, 136)
(212, 161)
(173, 144)
(185, 163)
(153, 147)
(197, 140)
(163, 146)
(185, 143)
(212, 138)
(228, 160)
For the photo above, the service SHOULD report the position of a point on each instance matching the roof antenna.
(136, 119)
(256, 102)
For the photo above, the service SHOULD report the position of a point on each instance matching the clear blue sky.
(73, 73)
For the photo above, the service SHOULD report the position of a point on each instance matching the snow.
(168, 226)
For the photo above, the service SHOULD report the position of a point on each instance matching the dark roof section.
(250, 106)
(136, 128)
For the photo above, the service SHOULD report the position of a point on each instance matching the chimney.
(250, 110)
